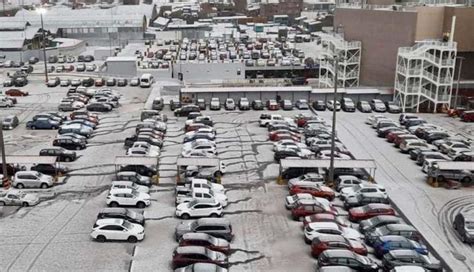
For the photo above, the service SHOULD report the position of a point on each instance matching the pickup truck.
(265, 119)
(197, 183)
(18, 198)
(184, 195)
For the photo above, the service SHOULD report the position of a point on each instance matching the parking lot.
(54, 235)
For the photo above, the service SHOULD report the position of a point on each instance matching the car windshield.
(309, 229)
(127, 225)
(192, 203)
(384, 230)
(39, 174)
(135, 193)
(132, 214)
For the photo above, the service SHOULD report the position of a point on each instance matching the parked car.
(229, 104)
(215, 104)
(377, 105)
(244, 103)
(186, 110)
(400, 257)
(306, 207)
(364, 106)
(122, 213)
(286, 105)
(117, 230)
(31, 179)
(347, 104)
(463, 224)
(98, 106)
(378, 221)
(16, 92)
(404, 230)
(134, 177)
(18, 198)
(319, 105)
(392, 107)
(128, 197)
(69, 143)
(369, 211)
(348, 258)
(217, 227)
(363, 199)
(302, 104)
(467, 116)
(10, 122)
(331, 105)
(187, 255)
(257, 105)
(385, 244)
(61, 154)
(329, 242)
(205, 240)
(42, 123)
(272, 105)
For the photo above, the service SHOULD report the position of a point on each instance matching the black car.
(80, 58)
(49, 169)
(378, 221)
(122, 82)
(348, 258)
(436, 135)
(69, 143)
(185, 110)
(414, 122)
(81, 67)
(364, 199)
(282, 154)
(364, 106)
(298, 81)
(101, 107)
(392, 107)
(88, 58)
(319, 105)
(174, 105)
(140, 169)
(122, 213)
(257, 105)
(61, 153)
(111, 82)
(198, 136)
(347, 104)
(401, 257)
(465, 156)
(87, 82)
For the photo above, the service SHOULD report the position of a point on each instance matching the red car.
(392, 135)
(315, 190)
(99, 82)
(400, 137)
(285, 136)
(187, 255)
(302, 119)
(16, 92)
(325, 217)
(84, 115)
(205, 240)
(324, 242)
(369, 211)
(306, 207)
(273, 105)
(272, 135)
(467, 116)
(194, 127)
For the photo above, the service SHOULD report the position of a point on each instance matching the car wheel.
(218, 174)
(466, 180)
(2, 203)
(141, 205)
(67, 159)
(214, 215)
(44, 186)
(114, 204)
(25, 204)
(78, 148)
(441, 178)
(33, 127)
(185, 216)
(20, 186)
(132, 239)
(101, 238)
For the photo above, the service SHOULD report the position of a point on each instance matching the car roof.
(324, 225)
(27, 172)
(331, 238)
(400, 227)
(113, 210)
(379, 206)
(338, 253)
(400, 253)
(120, 191)
(109, 221)
(393, 238)
(191, 250)
(196, 235)
(213, 221)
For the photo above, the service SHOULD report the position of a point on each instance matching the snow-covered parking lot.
(54, 235)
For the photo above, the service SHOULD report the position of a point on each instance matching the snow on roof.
(30, 159)
(135, 160)
(246, 89)
(455, 165)
(198, 161)
(124, 58)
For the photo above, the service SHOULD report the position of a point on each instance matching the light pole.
(333, 132)
(41, 11)
(4, 157)
(458, 81)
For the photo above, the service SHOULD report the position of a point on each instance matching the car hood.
(182, 207)
(347, 191)
(31, 198)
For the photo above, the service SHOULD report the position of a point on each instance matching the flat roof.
(124, 58)
(135, 160)
(291, 163)
(198, 161)
(30, 159)
(246, 89)
(455, 165)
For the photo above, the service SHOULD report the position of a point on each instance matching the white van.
(146, 80)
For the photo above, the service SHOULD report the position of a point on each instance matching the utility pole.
(44, 48)
(458, 82)
(333, 133)
(4, 157)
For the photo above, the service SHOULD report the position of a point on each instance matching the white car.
(138, 151)
(118, 230)
(18, 198)
(200, 144)
(428, 163)
(366, 188)
(291, 200)
(331, 105)
(31, 179)
(209, 130)
(199, 208)
(286, 143)
(202, 193)
(326, 155)
(203, 183)
(198, 154)
(127, 197)
(151, 150)
(374, 118)
(122, 184)
(313, 230)
(309, 178)
(346, 181)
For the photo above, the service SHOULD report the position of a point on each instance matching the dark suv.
(347, 104)
(185, 110)
(61, 153)
(401, 257)
(348, 258)
(69, 143)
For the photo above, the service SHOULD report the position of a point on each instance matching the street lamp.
(333, 130)
(42, 11)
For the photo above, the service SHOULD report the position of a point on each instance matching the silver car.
(32, 179)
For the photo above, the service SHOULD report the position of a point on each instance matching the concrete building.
(383, 31)
(270, 8)
(424, 75)
(348, 66)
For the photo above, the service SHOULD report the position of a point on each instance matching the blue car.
(42, 123)
(384, 244)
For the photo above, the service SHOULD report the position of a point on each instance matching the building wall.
(203, 72)
(429, 23)
(381, 32)
(464, 32)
